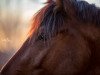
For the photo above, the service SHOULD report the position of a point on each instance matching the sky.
(97, 2)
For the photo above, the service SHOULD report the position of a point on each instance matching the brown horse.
(64, 40)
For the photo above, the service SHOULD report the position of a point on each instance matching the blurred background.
(15, 16)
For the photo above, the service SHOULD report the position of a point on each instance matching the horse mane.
(88, 13)
(51, 18)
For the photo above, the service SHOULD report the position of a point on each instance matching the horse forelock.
(49, 20)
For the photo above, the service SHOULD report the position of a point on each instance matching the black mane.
(88, 12)
(52, 20)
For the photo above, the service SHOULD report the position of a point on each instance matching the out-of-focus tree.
(11, 33)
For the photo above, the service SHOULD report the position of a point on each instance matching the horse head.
(64, 40)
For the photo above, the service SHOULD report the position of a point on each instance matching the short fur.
(64, 40)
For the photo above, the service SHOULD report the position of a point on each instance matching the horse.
(64, 40)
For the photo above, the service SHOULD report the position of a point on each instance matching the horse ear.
(66, 5)
(59, 3)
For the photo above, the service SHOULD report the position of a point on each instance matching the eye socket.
(42, 37)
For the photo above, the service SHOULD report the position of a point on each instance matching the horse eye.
(42, 37)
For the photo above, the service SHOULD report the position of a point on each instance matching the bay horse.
(64, 40)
